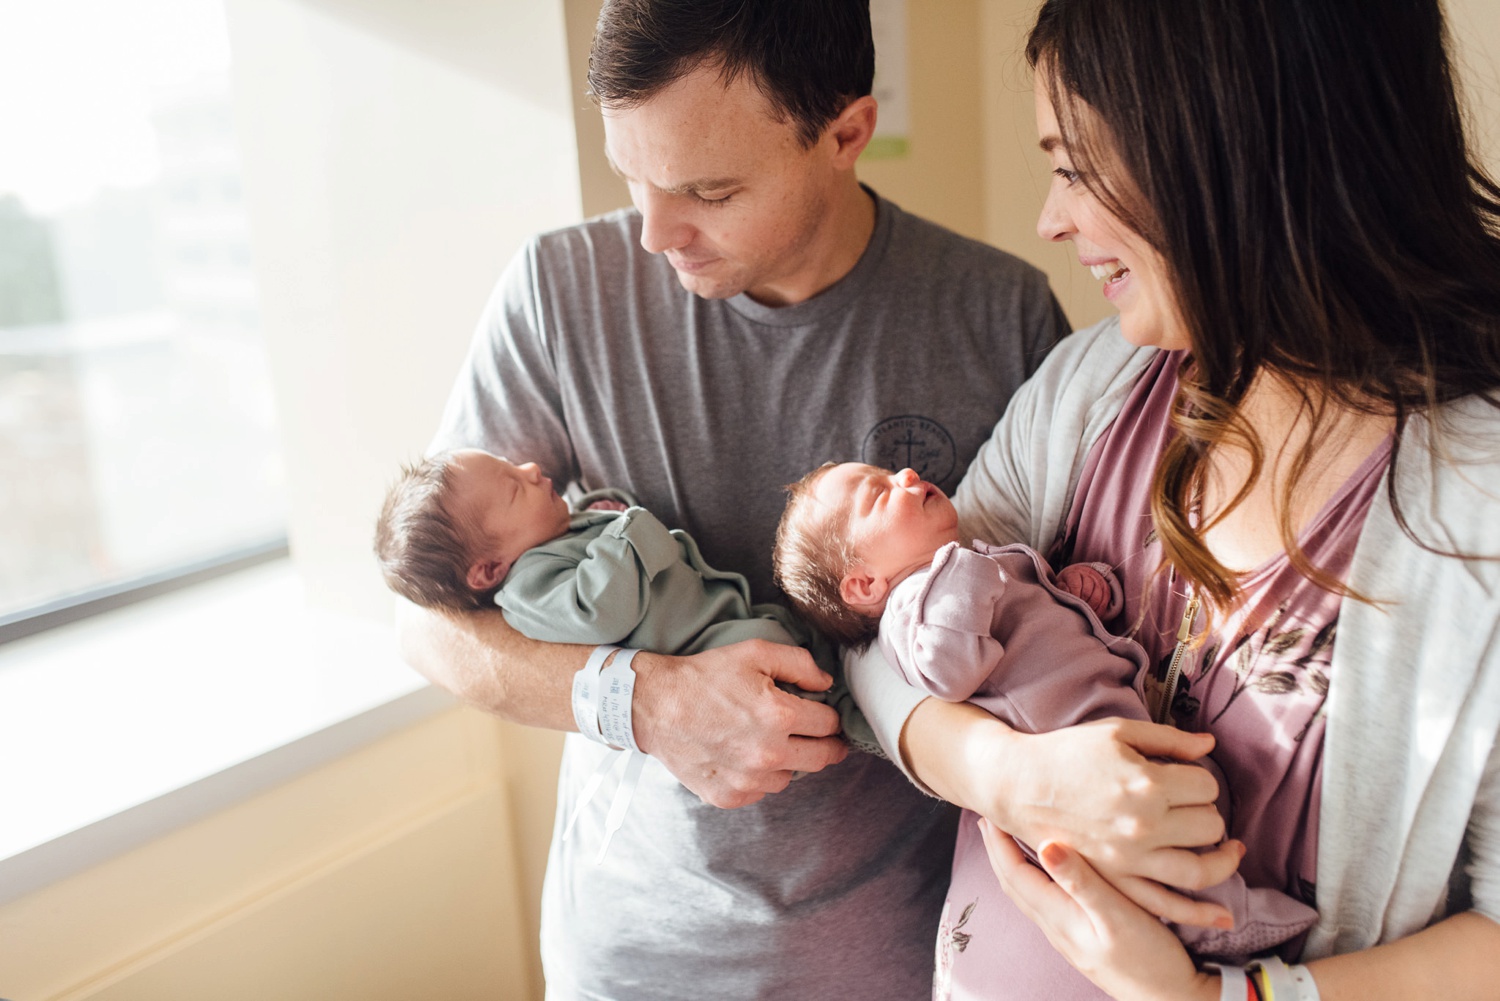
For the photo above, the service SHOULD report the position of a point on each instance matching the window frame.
(93, 601)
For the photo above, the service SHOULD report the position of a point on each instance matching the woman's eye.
(1067, 175)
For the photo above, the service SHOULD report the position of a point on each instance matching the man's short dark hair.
(809, 57)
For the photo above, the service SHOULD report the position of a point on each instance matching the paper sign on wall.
(892, 88)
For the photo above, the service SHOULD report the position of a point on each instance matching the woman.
(1289, 447)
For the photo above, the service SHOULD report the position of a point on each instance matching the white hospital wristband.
(586, 686)
(616, 692)
(1286, 983)
(1234, 984)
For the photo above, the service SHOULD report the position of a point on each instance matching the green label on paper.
(886, 148)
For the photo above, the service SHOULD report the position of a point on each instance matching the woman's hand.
(1092, 787)
(1126, 952)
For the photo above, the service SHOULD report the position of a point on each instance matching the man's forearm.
(479, 658)
(716, 720)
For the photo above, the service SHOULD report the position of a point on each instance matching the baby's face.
(897, 521)
(514, 507)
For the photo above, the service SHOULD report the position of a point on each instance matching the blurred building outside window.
(137, 431)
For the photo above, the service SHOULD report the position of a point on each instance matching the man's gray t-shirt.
(594, 362)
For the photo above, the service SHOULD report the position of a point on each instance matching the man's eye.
(712, 199)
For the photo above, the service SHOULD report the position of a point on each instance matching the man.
(758, 313)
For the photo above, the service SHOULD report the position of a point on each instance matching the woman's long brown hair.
(1301, 167)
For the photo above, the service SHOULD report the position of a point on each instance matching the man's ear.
(862, 589)
(486, 575)
(852, 131)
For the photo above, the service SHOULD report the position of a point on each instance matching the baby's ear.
(486, 575)
(860, 588)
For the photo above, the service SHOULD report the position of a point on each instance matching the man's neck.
(839, 244)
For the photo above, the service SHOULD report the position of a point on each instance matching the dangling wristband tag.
(602, 699)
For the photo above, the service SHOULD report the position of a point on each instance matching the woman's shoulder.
(1463, 432)
(1441, 492)
(1093, 363)
(1446, 476)
(1019, 485)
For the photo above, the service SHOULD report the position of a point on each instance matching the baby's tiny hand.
(605, 504)
(1095, 585)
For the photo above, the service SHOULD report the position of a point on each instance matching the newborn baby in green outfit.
(467, 529)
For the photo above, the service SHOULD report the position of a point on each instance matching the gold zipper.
(1174, 669)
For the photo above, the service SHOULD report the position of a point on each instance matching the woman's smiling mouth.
(1111, 271)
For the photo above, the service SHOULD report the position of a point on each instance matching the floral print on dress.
(1265, 664)
(951, 939)
(1282, 658)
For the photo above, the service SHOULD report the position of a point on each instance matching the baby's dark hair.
(813, 552)
(423, 551)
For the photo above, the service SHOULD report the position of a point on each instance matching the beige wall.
(1475, 25)
(388, 875)
(1015, 173)
(941, 177)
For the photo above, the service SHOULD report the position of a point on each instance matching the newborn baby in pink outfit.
(862, 552)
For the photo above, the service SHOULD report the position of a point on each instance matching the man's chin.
(706, 287)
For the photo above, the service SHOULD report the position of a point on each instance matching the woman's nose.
(1054, 223)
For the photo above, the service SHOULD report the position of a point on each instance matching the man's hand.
(1093, 788)
(722, 727)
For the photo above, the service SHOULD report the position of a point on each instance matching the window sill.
(122, 727)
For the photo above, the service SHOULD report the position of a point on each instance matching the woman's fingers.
(1032, 889)
(1170, 905)
(1153, 740)
(1193, 870)
(1186, 785)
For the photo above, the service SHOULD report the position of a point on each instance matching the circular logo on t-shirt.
(912, 441)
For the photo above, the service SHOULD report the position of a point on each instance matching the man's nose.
(662, 226)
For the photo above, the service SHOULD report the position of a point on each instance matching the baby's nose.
(907, 478)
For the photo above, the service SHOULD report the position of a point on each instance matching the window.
(137, 433)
